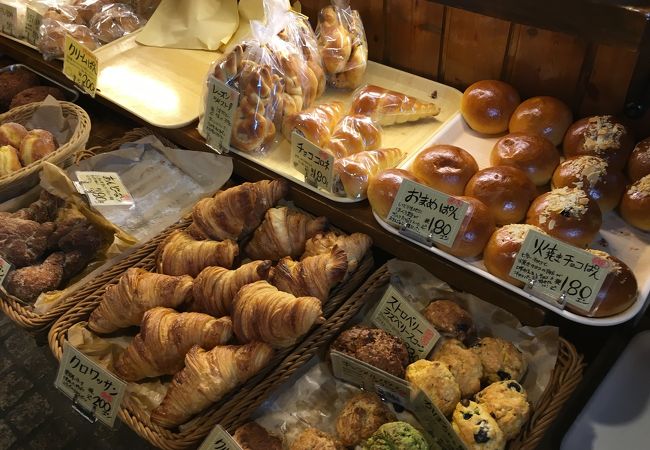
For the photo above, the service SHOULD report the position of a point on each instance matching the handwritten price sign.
(5, 267)
(32, 23)
(220, 107)
(316, 165)
(219, 439)
(103, 188)
(8, 18)
(80, 65)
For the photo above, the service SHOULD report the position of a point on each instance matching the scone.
(507, 401)
(437, 382)
(313, 439)
(501, 360)
(252, 436)
(476, 428)
(396, 436)
(360, 418)
(450, 320)
(464, 365)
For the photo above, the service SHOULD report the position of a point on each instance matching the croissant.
(237, 211)
(354, 134)
(123, 304)
(334, 40)
(313, 276)
(164, 339)
(353, 173)
(315, 123)
(216, 287)
(263, 313)
(283, 233)
(355, 246)
(181, 254)
(355, 69)
(389, 107)
(207, 377)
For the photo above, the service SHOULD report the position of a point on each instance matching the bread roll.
(502, 248)
(487, 106)
(591, 174)
(35, 145)
(544, 116)
(535, 155)
(567, 214)
(446, 168)
(505, 190)
(12, 133)
(383, 188)
(9, 161)
(602, 136)
(635, 205)
(638, 166)
(476, 229)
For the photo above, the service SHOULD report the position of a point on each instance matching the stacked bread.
(20, 147)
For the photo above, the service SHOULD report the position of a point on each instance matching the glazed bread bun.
(635, 205)
(446, 168)
(476, 229)
(9, 161)
(35, 145)
(567, 214)
(638, 166)
(505, 190)
(618, 292)
(383, 188)
(544, 116)
(502, 248)
(12, 133)
(487, 106)
(591, 174)
(533, 154)
(602, 136)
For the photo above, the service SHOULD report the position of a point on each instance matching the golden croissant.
(207, 377)
(353, 173)
(263, 313)
(314, 276)
(235, 212)
(355, 246)
(283, 233)
(181, 254)
(164, 339)
(390, 107)
(216, 287)
(123, 304)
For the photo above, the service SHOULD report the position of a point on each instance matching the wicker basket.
(566, 375)
(25, 178)
(23, 315)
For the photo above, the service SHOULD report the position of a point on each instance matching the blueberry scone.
(476, 428)
(501, 360)
(507, 401)
(464, 365)
(437, 382)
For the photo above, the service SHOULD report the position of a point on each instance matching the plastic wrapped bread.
(352, 174)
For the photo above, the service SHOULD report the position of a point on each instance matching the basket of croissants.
(23, 149)
(220, 299)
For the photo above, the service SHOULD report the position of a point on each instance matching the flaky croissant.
(123, 304)
(237, 211)
(181, 254)
(354, 134)
(355, 246)
(263, 313)
(283, 233)
(216, 287)
(314, 276)
(353, 173)
(315, 123)
(390, 107)
(207, 377)
(164, 339)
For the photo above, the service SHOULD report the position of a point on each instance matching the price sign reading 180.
(315, 164)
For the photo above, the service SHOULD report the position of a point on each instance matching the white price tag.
(395, 314)
(103, 188)
(96, 392)
(219, 439)
(8, 19)
(561, 271)
(5, 267)
(431, 215)
(33, 21)
(220, 107)
(316, 165)
(435, 422)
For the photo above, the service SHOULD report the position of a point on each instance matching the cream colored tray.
(409, 137)
(615, 237)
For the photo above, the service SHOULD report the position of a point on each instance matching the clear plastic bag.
(354, 134)
(114, 21)
(352, 174)
(52, 37)
(88, 8)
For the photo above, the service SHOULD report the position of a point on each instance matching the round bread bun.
(446, 168)
(591, 174)
(487, 106)
(544, 116)
(383, 188)
(505, 190)
(618, 292)
(635, 205)
(602, 136)
(502, 248)
(533, 154)
(476, 229)
(638, 166)
(36, 144)
(567, 214)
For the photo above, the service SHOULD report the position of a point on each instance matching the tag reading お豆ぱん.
(219, 439)
(220, 107)
(559, 269)
(33, 21)
(434, 421)
(316, 165)
(97, 391)
(395, 314)
(103, 188)
(5, 267)
(430, 214)
(80, 65)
